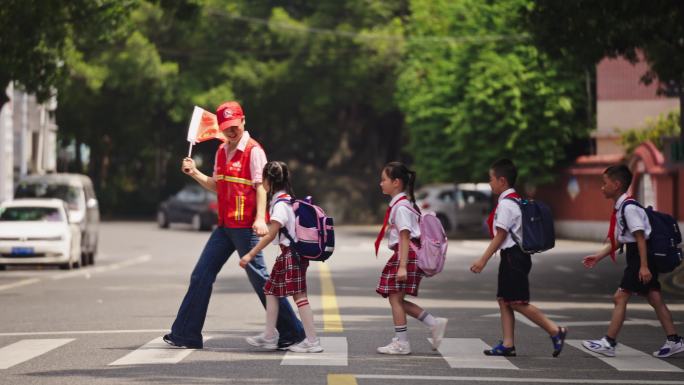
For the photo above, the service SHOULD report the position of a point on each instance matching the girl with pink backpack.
(402, 275)
(288, 276)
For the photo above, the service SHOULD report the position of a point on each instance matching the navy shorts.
(630, 278)
(513, 282)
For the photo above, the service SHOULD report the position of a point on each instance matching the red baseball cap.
(229, 114)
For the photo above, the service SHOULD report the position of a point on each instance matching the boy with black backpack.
(630, 226)
(507, 223)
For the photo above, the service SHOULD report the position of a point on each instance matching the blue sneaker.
(501, 350)
(559, 340)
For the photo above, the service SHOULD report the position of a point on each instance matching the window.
(41, 214)
(72, 195)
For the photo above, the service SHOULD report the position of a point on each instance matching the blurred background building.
(28, 138)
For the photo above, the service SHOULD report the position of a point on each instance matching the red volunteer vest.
(234, 189)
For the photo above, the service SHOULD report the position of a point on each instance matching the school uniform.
(513, 286)
(288, 276)
(635, 219)
(400, 217)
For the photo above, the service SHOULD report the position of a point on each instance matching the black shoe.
(559, 341)
(168, 340)
(285, 344)
(500, 350)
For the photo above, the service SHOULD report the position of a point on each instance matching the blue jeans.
(187, 328)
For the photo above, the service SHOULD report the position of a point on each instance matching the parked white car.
(38, 231)
(459, 206)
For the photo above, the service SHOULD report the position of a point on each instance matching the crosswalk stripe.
(467, 353)
(25, 350)
(334, 354)
(154, 352)
(629, 360)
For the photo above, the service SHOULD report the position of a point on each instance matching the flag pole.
(189, 155)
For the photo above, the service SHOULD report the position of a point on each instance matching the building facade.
(28, 138)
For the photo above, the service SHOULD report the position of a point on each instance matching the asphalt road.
(101, 324)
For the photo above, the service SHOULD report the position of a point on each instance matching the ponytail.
(410, 189)
(278, 175)
(398, 170)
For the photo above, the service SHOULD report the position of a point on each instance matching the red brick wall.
(618, 79)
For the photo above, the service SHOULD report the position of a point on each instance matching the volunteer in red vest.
(241, 219)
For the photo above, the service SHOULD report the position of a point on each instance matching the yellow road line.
(332, 322)
(341, 379)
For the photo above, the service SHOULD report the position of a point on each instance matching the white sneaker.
(395, 347)
(601, 346)
(260, 341)
(437, 332)
(307, 347)
(670, 348)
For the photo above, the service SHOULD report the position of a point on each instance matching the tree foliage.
(471, 101)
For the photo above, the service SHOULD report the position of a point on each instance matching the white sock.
(427, 319)
(306, 315)
(401, 331)
(271, 316)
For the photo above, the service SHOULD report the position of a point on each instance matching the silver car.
(78, 193)
(462, 206)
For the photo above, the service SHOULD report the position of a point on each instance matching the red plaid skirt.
(388, 279)
(288, 276)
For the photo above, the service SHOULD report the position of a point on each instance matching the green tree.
(585, 31)
(35, 33)
(482, 92)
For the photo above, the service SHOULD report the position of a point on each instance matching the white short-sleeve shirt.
(636, 219)
(283, 213)
(402, 218)
(508, 217)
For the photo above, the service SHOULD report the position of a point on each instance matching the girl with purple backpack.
(288, 276)
(401, 274)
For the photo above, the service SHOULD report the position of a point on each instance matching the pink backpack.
(433, 241)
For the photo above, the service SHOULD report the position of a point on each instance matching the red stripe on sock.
(302, 302)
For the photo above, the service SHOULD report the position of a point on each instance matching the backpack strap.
(627, 202)
(518, 201)
(283, 230)
(413, 210)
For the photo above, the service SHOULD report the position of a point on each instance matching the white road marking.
(462, 353)
(154, 352)
(629, 360)
(563, 269)
(25, 350)
(334, 354)
(23, 282)
(67, 332)
(528, 380)
(102, 269)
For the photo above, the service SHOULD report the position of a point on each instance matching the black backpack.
(538, 233)
(663, 244)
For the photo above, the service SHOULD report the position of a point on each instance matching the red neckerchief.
(381, 235)
(611, 229)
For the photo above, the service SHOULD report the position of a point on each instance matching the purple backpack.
(431, 254)
(314, 230)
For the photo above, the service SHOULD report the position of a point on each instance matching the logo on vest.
(235, 166)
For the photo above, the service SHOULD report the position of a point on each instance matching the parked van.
(78, 193)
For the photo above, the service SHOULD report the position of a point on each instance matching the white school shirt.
(402, 218)
(508, 217)
(636, 220)
(283, 213)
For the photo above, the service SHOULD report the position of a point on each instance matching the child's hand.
(478, 266)
(402, 274)
(645, 275)
(244, 261)
(590, 261)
